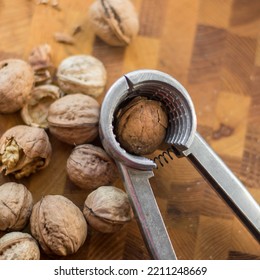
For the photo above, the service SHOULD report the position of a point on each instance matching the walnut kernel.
(24, 150)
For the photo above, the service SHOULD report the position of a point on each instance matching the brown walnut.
(24, 150)
(16, 83)
(19, 246)
(89, 167)
(74, 118)
(114, 21)
(16, 204)
(141, 126)
(35, 111)
(107, 209)
(82, 73)
(58, 225)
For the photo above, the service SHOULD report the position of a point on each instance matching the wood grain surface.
(213, 48)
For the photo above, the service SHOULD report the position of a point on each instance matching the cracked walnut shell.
(89, 166)
(16, 83)
(114, 21)
(74, 118)
(82, 73)
(16, 204)
(24, 150)
(58, 225)
(107, 209)
(141, 126)
(35, 111)
(19, 246)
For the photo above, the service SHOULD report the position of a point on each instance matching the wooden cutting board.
(213, 48)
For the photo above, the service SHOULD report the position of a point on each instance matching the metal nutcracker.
(183, 140)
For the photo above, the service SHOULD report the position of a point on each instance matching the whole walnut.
(24, 150)
(114, 21)
(74, 118)
(35, 110)
(16, 83)
(18, 246)
(89, 166)
(58, 225)
(16, 204)
(141, 126)
(107, 209)
(82, 73)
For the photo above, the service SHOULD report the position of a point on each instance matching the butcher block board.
(212, 47)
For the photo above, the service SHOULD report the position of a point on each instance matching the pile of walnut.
(67, 109)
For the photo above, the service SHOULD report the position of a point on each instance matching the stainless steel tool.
(183, 139)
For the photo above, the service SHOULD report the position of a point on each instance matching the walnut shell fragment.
(74, 118)
(35, 111)
(16, 204)
(16, 83)
(107, 209)
(24, 150)
(82, 73)
(114, 21)
(19, 246)
(58, 225)
(141, 126)
(89, 166)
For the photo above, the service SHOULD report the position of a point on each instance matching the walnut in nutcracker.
(107, 209)
(82, 73)
(74, 118)
(16, 83)
(24, 150)
(58, 225)
(89, 166)
(141, 126)
(35, 110)
(16, 204)
(114, 21)
(19, 246)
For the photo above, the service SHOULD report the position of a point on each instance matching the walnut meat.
(24, 150)
(16, 204)
(74, 118)
(114, 21)
(107, 209)
(82, 73)
(58, 225)
(19, 246)
(35, 111)
(16, 83)
(89, 167)
(141, 126)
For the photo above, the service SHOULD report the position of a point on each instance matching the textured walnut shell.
(141, 126)
(74, 118)
(89, 166)
(24, 150)
(58, 225)
(16, 204)
(107, 209)
(35, 111)
(114, 21)
(82, 73)
(18, 246)
(16, 83)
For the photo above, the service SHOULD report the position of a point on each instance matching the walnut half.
(24, 150)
